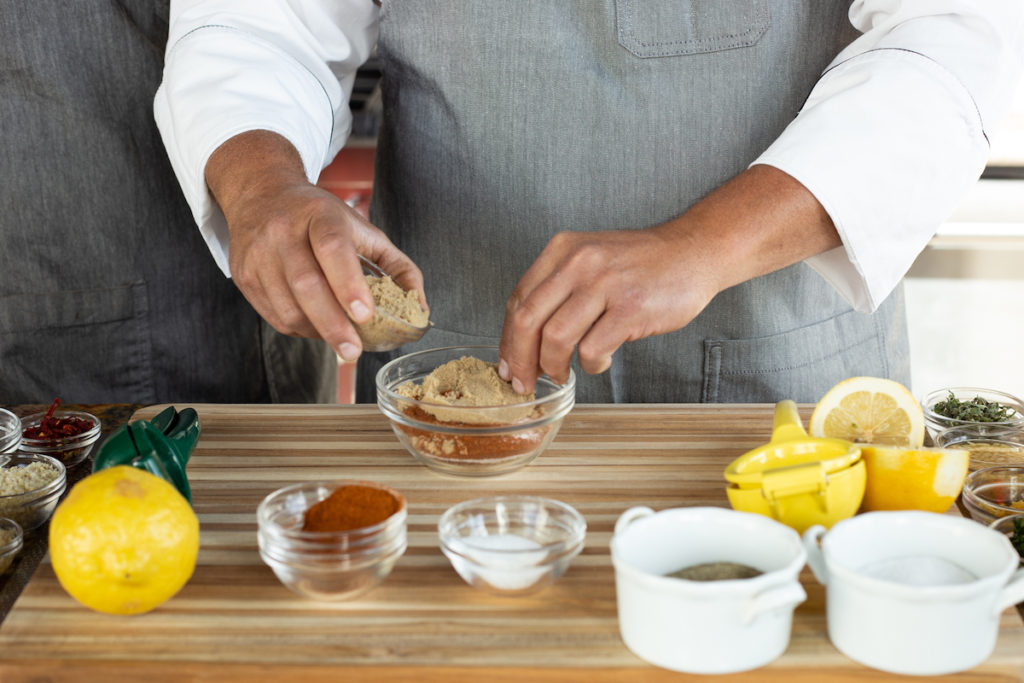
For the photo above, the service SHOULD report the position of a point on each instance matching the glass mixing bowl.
(472, 440)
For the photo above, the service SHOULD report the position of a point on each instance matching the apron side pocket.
(798, 364)
(92, 345)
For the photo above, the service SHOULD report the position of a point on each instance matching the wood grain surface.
(235, 621)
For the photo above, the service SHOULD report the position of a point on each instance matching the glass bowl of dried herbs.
(986, 409)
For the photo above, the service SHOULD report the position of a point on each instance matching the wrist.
(250, 165)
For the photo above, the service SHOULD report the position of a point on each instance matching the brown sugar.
(397, 315)
(469, 382)
(402, 304)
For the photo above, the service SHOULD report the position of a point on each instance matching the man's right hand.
(293, 246)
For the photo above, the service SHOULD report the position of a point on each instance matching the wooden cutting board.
(235, 621)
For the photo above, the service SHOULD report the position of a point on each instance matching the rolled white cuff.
(219, 82)
(888, 142)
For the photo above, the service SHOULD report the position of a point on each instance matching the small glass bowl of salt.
(511, 545)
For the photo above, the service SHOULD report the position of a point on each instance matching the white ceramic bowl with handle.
(914, 592)
(705, 626)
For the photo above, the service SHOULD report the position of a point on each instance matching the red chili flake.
(51, 427)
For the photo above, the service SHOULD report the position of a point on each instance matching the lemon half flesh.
(870, 410)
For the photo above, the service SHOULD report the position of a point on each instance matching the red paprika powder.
(470, 447)
(351, 507)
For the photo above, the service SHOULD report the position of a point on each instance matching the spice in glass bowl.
(68, 435)
(51, 427)
(351, 507)
(977, 409)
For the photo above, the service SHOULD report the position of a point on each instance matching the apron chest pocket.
(670, 28)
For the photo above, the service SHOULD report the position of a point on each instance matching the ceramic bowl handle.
(1012, 593)
(815, 558)
(788, 596)
(630, 516)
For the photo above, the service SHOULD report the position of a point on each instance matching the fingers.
(546, 315)
(592, 292)
(299, 268)
(328, 302)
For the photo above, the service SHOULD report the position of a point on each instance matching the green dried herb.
(1017, 537)
(977, 409)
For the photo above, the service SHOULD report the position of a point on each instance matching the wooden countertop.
(235, 621)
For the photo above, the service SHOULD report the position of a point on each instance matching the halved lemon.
(871, 410)
(913, 478)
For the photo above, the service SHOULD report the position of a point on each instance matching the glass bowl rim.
(13, 435)
(66, 442)
(561, 394)
(17, 542)
(979, 439)
(972, 497)
(929, 399)
(329, 562)
(56, 485)
(576, 533)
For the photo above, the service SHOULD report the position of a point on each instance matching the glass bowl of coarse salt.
(30, 486)
(511, 545)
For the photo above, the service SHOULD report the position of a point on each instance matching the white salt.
(497, 564)
(923, 570)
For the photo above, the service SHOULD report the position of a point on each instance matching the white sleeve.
(894, 133)
(236, 65)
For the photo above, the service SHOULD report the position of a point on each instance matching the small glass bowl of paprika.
(332, 540)
(67, 435)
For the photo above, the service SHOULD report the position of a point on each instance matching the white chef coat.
(892, 135)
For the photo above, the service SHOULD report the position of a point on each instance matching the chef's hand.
(293, 246)
(593, 291)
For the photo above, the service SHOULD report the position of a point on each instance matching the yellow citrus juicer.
(798, 479)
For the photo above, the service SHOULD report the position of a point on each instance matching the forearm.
(250, 164)
(759, 222)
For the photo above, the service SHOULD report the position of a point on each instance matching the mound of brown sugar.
(403, 304)
(397, 315)
(469, 381)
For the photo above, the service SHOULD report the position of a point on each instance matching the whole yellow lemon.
(123, 541)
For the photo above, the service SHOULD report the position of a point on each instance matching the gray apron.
(505, 122)
(107, 291)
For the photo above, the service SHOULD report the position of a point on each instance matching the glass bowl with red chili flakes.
(67, 435)
(453, 413)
